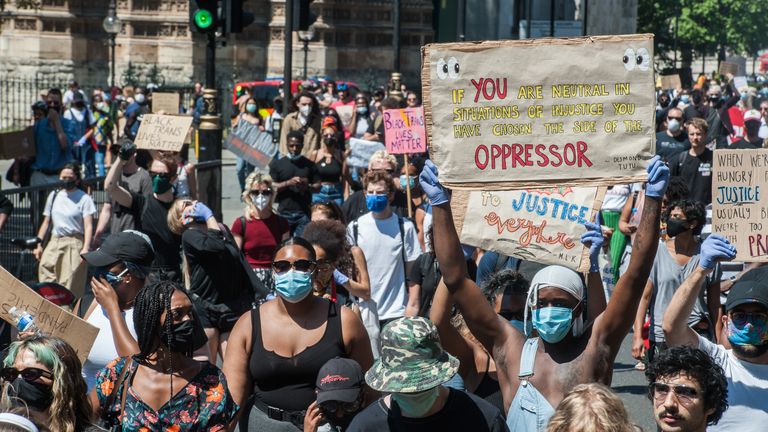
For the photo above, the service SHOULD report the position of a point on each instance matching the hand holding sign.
(404, 131)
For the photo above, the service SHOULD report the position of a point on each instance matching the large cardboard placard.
(729, 68)
(48, 317)
(345, 114)
(167, 103)
(404, 130)
(361, 152)
(670, 82)
(251, 144)
(163, 132)
(539, 225)
(17, 144)
(739, 203)
(516, 114)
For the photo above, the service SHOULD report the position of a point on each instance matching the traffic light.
(203, 15)
(235, 18)
(302, 15)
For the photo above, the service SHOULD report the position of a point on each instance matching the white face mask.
(673, 125)
(305, 109)
(260, 201)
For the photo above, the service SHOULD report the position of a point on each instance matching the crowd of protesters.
(342, 299)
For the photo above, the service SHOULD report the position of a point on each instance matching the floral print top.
(203, 405)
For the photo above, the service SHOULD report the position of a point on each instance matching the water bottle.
(23, 320)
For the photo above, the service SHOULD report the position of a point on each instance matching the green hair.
(43, 353)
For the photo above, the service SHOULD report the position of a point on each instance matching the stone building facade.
(64, 39)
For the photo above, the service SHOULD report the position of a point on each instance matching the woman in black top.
(275, 352)
(332, 171)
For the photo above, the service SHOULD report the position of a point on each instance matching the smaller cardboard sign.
(740, 84)
(167, 103)
(49, 318)
(361, 152)
(739, 207)
(251, 144)
(17, 144)
(729, 68)
(404, 130)
(162, 132)
(345, 114)
(670, 82)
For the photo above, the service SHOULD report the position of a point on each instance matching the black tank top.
(289, 382)
(329, 172)
(490, 390)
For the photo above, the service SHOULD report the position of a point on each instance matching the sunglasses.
(111, 278)
(301, 265)
(684, 394)
(265, 192)
(742, 318)
(161, 175)
(29, 374)
(333, 406)
(675, 118)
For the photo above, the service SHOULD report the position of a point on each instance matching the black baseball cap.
(747, 291)
(340, 379)
(131, 246)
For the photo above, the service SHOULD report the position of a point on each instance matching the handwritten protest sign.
(670, 82)
(163, 132)
(345, 114)
(514, 114)
(729, 68)
(17, 144)
(404, 131)
(539, 225)
(362, 151)
(251, 144)
(739, 206)
(48, 317)
(168, 103)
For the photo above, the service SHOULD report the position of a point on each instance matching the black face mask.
(676, 227)
(186, 337)
(70, 184)
(36, 395)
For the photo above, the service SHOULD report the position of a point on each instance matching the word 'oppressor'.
(504, 156)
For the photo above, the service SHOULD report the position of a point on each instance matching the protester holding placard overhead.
(152, 210)
(293, 177)
(556, 305)
(306, 120)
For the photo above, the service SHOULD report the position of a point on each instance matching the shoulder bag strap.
(242, 226)
(124, 393)
(111, 398)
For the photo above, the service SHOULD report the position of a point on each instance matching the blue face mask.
(376, 203)
(524, 328)
(293, 286)
(410, 181)
(749, 334)
(552, 323)
(685, 99)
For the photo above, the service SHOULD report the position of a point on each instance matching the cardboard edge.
(596, 205)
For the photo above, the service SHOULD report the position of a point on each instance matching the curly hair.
(376, 177)
(677, 189)
(70, 411)
(330, 235)
(506, 281)
(694, 211)
(330, 210)
(588, 408)
(700, 367)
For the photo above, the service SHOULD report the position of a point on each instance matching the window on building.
(53, 3)
(26, 24)
(55, 26)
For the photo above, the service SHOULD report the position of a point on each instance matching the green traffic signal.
(203, 19)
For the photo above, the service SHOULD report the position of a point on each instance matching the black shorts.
(219, 316)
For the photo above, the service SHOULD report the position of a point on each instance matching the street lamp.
(306, 36)
(112, 25)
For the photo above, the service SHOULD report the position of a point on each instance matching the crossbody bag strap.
(124, 393)
(120, 380)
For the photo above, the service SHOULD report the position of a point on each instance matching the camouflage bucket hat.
(412, 359)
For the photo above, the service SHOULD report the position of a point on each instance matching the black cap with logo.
(339, 379)
(130, 246)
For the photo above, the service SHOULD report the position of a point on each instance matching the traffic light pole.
(288, 61)
(209, 134)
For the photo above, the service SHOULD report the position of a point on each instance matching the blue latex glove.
(715, 248)
(340, 278)
(658, 177)
(593, 239)
(200, 212)
(429, 182)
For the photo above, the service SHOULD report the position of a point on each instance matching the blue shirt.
(129, 110)
(49, 155)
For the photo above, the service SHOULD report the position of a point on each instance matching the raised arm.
(593, 239)
(675, 324)
(114, 190)
(614, 324)
(450, 339)
(478, 314)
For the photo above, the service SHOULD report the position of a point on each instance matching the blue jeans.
(99, 156)
(84, 155)
(328, 193)
(243, 169)
(296, 222)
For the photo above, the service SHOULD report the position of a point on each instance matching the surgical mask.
(186, 337)
(552, 323)
(70, 184)
(376, 203)
(140, 98)
(525, 328)
(305, 109)
(259, 201)
(37, 395)
(251, 108)
(407, 181)
(416, 405)
(293, 286)
(362, 110)
(685, 99)
(744, 96)
(751, 333)
(676, 227)
(673, 125)
(101, 106)
(160, 184)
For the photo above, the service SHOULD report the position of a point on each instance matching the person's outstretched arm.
(450, 338)
(480, 317)
(675, 324)
(114, 190)
(614, 324)
(593, 239)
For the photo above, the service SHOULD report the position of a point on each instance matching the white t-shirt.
(69, 209)
(104, 350)
(615, 198)
(382, 246)
(747, 391)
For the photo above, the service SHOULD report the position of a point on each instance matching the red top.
(261, 238)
